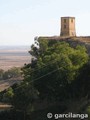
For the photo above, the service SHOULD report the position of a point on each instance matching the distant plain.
(13, 56)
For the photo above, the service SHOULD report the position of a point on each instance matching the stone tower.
(68, 26)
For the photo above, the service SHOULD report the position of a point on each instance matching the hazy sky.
(22, 20)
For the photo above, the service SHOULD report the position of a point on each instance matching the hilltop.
(73, 41)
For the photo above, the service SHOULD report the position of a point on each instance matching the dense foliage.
(57, 80)
(56, 66)
(53, 75)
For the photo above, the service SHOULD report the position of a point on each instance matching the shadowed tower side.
(68, 26)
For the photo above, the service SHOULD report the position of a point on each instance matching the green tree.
(24, 97)
(56, 66)
(13, 72)
(8, 95)
(1, 74)
(81, 86)
(57, 72)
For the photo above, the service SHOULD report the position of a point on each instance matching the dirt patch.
(9, 59)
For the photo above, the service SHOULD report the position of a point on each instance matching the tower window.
(64, 20)
(64, 26)
(72, 20)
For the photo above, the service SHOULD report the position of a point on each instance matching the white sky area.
(22, 20)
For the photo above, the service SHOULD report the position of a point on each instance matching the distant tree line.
(11, 73)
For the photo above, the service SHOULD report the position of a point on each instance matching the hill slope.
(73, 41)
